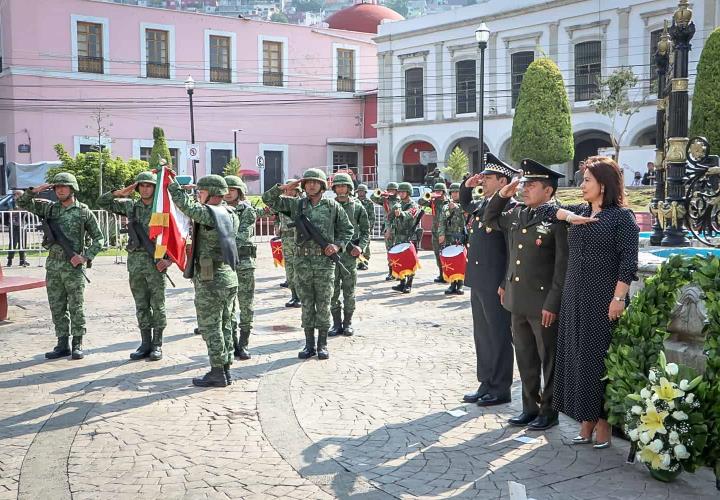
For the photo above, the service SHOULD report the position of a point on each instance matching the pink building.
(300, 96)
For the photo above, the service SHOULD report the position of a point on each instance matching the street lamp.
(190, 88)
(235, 133)
(482, 35)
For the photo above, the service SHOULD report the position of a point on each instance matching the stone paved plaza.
(371, 422)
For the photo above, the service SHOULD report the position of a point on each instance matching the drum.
(277, 253)
(403, 260)
(453, 260)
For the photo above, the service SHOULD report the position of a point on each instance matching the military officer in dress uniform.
(537, 261)
(487, 259)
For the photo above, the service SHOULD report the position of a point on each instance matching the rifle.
(53, 234)
(307, 231)
(136, 233)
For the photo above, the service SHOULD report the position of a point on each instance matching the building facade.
(298, 96)
(429, 69)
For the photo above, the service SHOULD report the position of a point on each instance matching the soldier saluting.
(145, 273)
(73, 238)
(537, 261)
(314, 268)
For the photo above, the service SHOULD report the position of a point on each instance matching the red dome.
(364, 17)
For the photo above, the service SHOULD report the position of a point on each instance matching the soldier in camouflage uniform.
(342, 184)
(452, 231)
(145, 273)
(245, 270)
(436, 203)
(64, 277)
(314, 270)
(401, 221)
(370, 210)
(212, 269)
(287, 235)
(386, 202)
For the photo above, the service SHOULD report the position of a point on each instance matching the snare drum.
(403, 260)
(453, 260)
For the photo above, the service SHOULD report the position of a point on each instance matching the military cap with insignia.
(493, 165)
(536, 171)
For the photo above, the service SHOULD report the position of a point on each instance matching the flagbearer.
(145, 273)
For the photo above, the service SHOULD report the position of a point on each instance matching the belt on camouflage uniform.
(308, 251)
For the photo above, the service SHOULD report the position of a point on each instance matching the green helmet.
(361, 187)
(439, 186)
(66, 179)
(146, 177)
(455, 187)
(391, 185)
(343, 179)
(213, 184)
(405, 186)
(235, 182)
(314, 174)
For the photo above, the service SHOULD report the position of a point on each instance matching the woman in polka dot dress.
(603, 260)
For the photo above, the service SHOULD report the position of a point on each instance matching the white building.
(428, 74)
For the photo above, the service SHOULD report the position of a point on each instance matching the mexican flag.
(169, 227)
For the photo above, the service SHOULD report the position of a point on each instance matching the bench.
(14, 284)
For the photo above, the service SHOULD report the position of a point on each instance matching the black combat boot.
(408, 284)
(9, 263)
(400, 287)
(197, 331)
(156, 352)
(241, 348)
(459, 287)
(451, 289)
(439, 279)
(214, 378)
(77, 350)
(390, 276)
(309, 350)
(61, 350)
(322, 352)
(144, 350)
(226, 372)
(294, 300)
(337, 327)
(347, 327)
(24, 263)
(284, 284)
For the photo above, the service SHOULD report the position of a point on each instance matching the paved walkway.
(371, 422)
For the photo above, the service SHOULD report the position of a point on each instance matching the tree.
(542, 129)
(279, 17)
(117, 173)
(399, 6)
(615, 103)
(101, 129)
(232, 167)
(160, 150)
(706, 100)
(457, 165)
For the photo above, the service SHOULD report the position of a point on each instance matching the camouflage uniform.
(66, 284)
(147, 284)
(386, 203)
(347, 282)
(402, 229)
(314, 271)
(451, 225)
(287, 235)
(370, 210)
(437, 206)
(215, 279)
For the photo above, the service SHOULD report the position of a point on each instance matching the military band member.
(342, 313)
(65, 220)
(401, 221)
(145, 273)
(487, 259)
(247, 251)
(436, 201)
(537, 261)
(387, 200)
(212, 268)
(370, 210)
(315, 271)
(287, 235)
(452, 231)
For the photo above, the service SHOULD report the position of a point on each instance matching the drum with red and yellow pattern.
(453, 260)
(277, 253)
(403, 260)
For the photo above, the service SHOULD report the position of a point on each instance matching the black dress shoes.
(523, 419)
(492, 400)
(473, 397)
(543, 422)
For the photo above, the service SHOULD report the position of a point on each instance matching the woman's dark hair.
(608, 174)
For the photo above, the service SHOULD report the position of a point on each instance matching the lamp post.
(482, 35)
(235, 133)
(190, 88)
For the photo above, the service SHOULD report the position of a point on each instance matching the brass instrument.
(477, 191)
(382, 194)
(431, 196)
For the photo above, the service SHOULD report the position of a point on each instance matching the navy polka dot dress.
(600, 254)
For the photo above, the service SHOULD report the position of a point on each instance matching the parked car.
(419, 191)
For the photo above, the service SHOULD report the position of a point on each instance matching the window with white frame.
(272, 63)
(588, 66)
(465, 86)
(157, 50)
(345, 70)
(414, 98)
(220, 70)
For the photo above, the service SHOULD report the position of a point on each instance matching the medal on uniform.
(538, 242)
(543, 228)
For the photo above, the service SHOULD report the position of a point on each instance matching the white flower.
(645, 437)
(652, 376)
(637, 410)
(690, 398)
(665, 461)
(644, 393)
(681, 452)
(656, 446)
(679, 415)
(671, 369)
(634, 435)
(674, 437)
(684, 385)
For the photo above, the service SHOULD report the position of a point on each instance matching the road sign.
(193, 152)
(260, 161)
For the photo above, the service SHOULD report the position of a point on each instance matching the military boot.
(400, 287)
(144, 350)
(451, 289)
(226, 372)
(390, 276)
(284, 284)
(61, 350)
(347, 327)
(214, 378)
(294, 300)
(439, 279)
(241, 349)
(77, 350)
(322, 352)
(309, 350)
(156, 352)
(197, 331)
(459, 287)
(337, 328)
(408, 284)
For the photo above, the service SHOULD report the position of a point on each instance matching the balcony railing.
(88, 64)
(273, 79)
(158, 70)
(220, 75)
(345, 84)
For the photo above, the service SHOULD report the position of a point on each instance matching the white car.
(419, 191)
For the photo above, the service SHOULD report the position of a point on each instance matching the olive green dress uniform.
(537, 261)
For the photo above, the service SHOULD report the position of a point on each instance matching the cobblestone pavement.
(371, 422)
